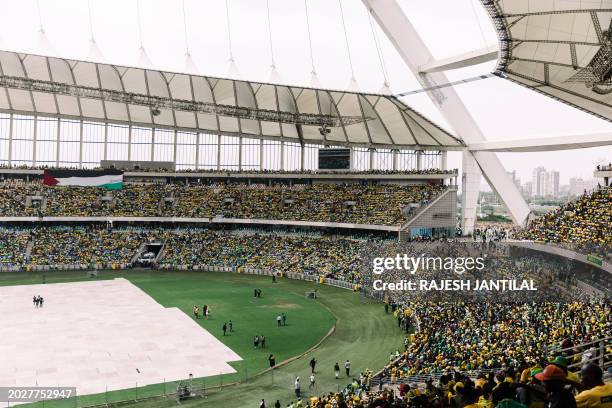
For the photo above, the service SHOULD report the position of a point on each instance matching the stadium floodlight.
(156, 103)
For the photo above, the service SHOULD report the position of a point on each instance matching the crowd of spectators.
(209, 248)
(13, 198)
(379, 204)
(67, 246)
(585, 224)
(231, 171)
(513, 339)
(13, 247)
(481, 335)
(331, 256)
(541, 384)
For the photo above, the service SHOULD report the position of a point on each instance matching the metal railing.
(595, 351)
(422, 378)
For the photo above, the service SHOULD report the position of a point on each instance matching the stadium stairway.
(29, 248)
(422, 211)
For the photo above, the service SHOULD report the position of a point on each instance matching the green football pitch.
(361, 333)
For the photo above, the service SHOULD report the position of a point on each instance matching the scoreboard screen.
(335, 159)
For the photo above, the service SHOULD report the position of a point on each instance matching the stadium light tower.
(416, 54)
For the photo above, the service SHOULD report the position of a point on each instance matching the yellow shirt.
(600, 397)
(573, 377)
(484, 403)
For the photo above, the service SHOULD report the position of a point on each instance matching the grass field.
(363, 333)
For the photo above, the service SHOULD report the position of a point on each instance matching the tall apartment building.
(545, 183)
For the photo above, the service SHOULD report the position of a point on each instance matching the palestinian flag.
(109, 179)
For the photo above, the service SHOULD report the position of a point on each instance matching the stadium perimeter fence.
(204, 268)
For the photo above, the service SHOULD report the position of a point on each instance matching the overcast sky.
(503, 110)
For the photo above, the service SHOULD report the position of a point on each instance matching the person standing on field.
(271, 360)
(296, 387)
(337, 370)
(312, 363)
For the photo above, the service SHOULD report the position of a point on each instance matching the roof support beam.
(34, 140)
(156, 102)
(57, 142)
(545, 144)
(543, 13)
(545, 41)
(10, 141)
(463, 60)
(415, 54)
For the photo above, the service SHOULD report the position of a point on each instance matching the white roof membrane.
(561, 48)
(39, 85)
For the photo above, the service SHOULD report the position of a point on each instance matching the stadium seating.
(502, 345)
(330, 256)
(584, 223)
(353, 203)
(13, 198)
(474, 336)
(231, 171)
(459, 336)
(13, 247)
(65, 246)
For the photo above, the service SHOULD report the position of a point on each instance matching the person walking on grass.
(296, 387)
(337, 370)
(279, 320)
(231, 326)
(224, 328)
(312, 363)
(262, 340)
(271, 360)
(284, 316)
(196, 312)
(312, 382)
(347, 368)
(277, 404)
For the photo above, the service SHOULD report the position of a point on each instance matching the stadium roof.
(561, 48)
(38, 85)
